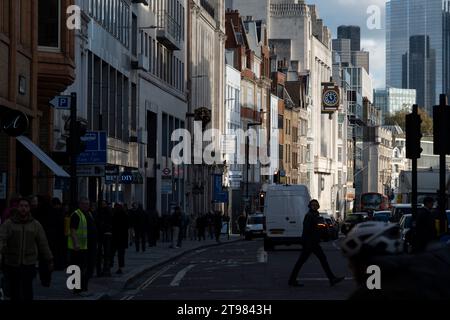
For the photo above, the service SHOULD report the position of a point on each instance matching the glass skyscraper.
(418, 48)
(391, 100)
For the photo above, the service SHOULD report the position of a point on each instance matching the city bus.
(374, 201)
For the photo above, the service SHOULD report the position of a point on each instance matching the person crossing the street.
(311, 244)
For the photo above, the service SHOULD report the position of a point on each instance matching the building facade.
(417, 54)
(37, 62)
(392, 100)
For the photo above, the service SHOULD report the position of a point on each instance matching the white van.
(285, 209)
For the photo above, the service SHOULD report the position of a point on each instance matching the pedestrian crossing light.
(413, 134)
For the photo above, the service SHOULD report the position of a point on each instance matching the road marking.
(180, 275)
(261, 255)
(322, 279)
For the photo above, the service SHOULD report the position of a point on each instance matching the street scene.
(239, 150)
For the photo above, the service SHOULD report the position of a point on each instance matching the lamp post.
(247, 162)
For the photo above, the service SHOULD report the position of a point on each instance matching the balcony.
(170, 32)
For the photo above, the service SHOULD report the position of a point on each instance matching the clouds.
(354, 12)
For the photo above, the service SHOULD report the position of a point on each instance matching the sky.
(354, 12)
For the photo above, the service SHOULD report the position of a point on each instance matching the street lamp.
(247, 161)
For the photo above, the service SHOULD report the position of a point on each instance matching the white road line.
(150, 280)
(180, 275)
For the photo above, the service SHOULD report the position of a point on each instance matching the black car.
(329, 227)
(352, 220)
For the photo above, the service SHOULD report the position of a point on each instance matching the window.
(280, 122)
(49, 32)
(281, 152)
(339, 154)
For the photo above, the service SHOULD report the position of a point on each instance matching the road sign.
(61, 102)
(166, 186)
(111, 174)
(90, 171)
(96, 148)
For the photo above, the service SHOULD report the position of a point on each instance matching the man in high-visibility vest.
(78, 241)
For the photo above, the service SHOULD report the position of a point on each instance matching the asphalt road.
(242, 271)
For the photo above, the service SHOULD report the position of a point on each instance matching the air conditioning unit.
(142, 63)
(144, 2)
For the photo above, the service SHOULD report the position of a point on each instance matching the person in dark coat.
(56, 238)
(218, 224)
(424, 231)
(311, 244)
(139, 223)
(104, 221)
(201, 227)
(120, 235)
(153, 228)
(242, 223)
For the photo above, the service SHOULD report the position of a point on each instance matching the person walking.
(104, 249)
(242, 223)
(423, 231)
(93, 240)
(139, 223)
(120, 236)
(176, 222)
(201, 227)
(22, 243)
(78, 242)
(218, 224)
(311, 244)
(56, 237)
(13, 204)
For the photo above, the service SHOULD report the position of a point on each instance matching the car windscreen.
(402, 211)
(371, 199)
(255, 220)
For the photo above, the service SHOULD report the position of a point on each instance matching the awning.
(41, 155)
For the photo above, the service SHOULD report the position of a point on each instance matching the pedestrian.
(422, 276)
(104, 221)
(176, 223)
(311, 244)
(78, 242)
(242, 223)
(226, 222)
(139, 223)
(56, 238)
(153, 232)
(120, 236)
(22, 243)
(13, 204)
(210, 224)
(92, 240)
(201, 227)
(423, 231)
(218, 224)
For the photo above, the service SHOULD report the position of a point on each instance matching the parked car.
(398, 210)
(405, 226)
(382, 216)
(329, 227)
(352, 220)
(255, 226)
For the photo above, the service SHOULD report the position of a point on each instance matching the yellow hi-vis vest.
(81, 232)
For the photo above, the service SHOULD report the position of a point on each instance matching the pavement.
(136, 266)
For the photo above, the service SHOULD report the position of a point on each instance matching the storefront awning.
(41, 155)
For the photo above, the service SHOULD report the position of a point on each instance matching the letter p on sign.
(74, 280)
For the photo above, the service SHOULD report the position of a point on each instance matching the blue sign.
(61, 102)
(220, 195)
(96, 148)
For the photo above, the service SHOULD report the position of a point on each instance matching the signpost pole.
(73, 152)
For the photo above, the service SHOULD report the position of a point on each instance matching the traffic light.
(413, 135)
(75, 144)
(441, 130)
